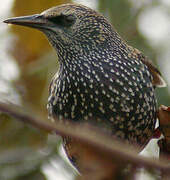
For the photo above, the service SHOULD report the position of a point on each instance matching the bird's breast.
(117, 96)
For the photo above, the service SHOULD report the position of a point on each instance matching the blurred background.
(27, 63)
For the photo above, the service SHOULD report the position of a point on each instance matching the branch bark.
(101, 146)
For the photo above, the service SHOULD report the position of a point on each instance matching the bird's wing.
(158, 80)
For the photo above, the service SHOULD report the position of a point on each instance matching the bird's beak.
(35, 21)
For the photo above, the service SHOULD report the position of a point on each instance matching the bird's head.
(70, 28)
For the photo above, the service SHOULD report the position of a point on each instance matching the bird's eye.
(63, 20)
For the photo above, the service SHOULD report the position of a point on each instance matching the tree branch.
(96, 139)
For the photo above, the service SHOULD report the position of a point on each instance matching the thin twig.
(98, 140)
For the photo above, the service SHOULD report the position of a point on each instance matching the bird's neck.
(73, 58)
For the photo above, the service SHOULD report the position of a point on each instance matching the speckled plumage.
(101, 80)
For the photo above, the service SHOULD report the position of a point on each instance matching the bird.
(101, 79)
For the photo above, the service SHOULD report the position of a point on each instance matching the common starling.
(101, 80)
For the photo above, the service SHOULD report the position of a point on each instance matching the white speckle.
(91, 96)
(96, 99)
(82, 111)
(90, 114)
(86, 117)
(112, 100)
(112, 70)
(110, 88)
(117, 65)
(91, 80)
(130, 90)
(60, 106)
(73, 108)
(72, 115)
(75, 83)
(117, 73)
(103, 92)
(111, 106)
(92, 105)
(78, 90)
(101, 109)
(106, 75)
(91, 86)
